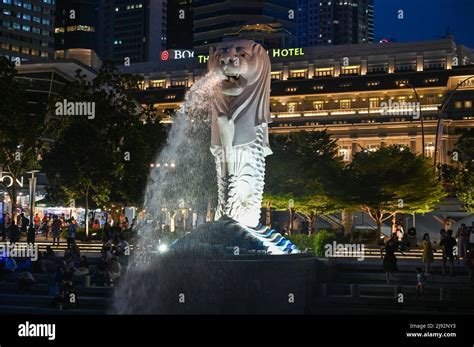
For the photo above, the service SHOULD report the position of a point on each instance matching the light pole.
(33, 179)
(440, 115)
(421, 117)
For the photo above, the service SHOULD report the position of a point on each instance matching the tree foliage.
(21, 126)
(106, 158)
(388, 181)
(302, 168)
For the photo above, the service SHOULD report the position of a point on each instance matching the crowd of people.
(453, 246)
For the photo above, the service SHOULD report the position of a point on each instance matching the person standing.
(462, 236)
(14, 233)
(25, 222)
(37, 222)
(448, 243)
(56, 227)
(427, 256)
(390, 260)
(71, 233)
(7, 221)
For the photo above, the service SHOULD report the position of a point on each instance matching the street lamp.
(440, 114)
(421, 116)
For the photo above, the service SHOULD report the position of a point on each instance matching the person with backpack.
(56, 228)
(448, 243)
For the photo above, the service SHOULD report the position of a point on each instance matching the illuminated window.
(458, 104)
(373, 83)
(431, 80)
(318, 87)
(170, 97)
(318, 105)
(59, 30)
(298, 73)
(291, 106)
(429, 150)
(345, 104)
(374, 102)
(323, 72)
(344, 153)
(291, 89)
(401, 82)
(468, 104)
(157, 84)
(277, 75)
(350, 70)
(372, 148)
(179, 83)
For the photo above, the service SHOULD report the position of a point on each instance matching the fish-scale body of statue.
(240, 113)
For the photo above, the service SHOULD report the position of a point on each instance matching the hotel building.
(365, 95)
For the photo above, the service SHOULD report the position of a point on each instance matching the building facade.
(335, 22)
(214, 21)
(27, 29)
(132, 31)
(361, 94)
(75, 33)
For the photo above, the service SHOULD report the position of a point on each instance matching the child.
(421, 279)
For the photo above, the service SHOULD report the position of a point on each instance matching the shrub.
(302, 241)
(321, 239)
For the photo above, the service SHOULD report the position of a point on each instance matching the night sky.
(425, 20)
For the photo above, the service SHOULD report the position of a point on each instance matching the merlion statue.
(240, 113)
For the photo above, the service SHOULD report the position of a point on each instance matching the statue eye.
(243, 55)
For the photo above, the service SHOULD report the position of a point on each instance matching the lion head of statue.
(243, 95)
(240, 63)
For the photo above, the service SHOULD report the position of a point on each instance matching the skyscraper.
(132, 30)
(180, 24)
(335, 22)
(26, 29)
(216, 20)
(75, 35)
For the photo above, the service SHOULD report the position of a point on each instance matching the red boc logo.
(165, 55)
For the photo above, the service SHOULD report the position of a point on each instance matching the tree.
(388, 181)
(21, 126)
(302, 168)
(92, 156)
(464, 179)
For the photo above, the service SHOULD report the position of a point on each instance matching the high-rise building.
(180, 24)
(27, 29)
(75, 35)
(335, 22)
(214, 21)
(132, 30)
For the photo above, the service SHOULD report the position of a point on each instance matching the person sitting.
(56, 286)
(83, 267)
(25, 281)
(114, 271)
(39, 266)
